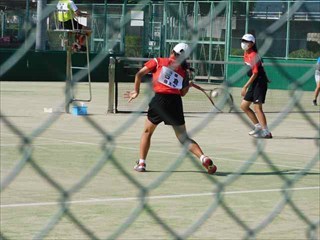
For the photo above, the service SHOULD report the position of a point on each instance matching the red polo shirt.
(156, 65)
(252, 59)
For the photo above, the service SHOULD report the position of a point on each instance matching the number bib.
(62, 6)
(170, 78)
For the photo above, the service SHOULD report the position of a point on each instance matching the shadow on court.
(223, 174)
(298, 138)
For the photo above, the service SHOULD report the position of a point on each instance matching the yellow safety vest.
(65, 13)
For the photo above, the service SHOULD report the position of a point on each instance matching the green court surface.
(71, 177)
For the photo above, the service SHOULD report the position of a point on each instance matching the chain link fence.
(26, 159)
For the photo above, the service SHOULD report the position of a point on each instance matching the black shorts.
(166, 108)
(68, 25)
(257, 91)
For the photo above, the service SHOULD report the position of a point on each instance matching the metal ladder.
(70, 83)
(68, 37)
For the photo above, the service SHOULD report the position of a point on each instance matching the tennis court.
(71, 177)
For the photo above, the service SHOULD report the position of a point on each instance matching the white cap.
(181, 48)
(249, 38)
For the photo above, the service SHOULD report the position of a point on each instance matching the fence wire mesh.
(63, 219)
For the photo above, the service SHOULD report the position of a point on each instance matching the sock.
(142, 161)
(202, 157)
(258, 125)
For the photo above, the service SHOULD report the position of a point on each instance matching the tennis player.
(255, 89)
(169, 84)
(67, 11)
(317, 78)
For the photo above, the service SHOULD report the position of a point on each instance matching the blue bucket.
(79, 110)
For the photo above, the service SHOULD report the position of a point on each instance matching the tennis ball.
(214, 94)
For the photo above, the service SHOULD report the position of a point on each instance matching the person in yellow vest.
(67, 12)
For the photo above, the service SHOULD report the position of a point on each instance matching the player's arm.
(186, 82)
(137, 81)
(248, 83)
(138, 77)
(184, 91)
(185, 87)
(255, 62)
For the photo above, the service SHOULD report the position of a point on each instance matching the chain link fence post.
(111, 95)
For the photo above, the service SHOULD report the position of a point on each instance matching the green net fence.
(71, 177)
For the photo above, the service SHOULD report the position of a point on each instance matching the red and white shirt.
(253, 60)
(167, 75)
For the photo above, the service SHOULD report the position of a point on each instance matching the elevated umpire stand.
(68, 37)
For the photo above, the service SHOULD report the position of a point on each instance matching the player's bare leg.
(145, 142)
(182, 136)
(265, 133)
(316, 94)
(258, 118)
(245, 106)
(193, 147)
(260, 115)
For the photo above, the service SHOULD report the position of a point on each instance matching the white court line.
(35, 145)
(219, 158)
(175, 153)
(224, 147)
(175, 196)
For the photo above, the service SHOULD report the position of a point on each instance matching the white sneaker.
(262, 134)
(140, 167)
(256, 130)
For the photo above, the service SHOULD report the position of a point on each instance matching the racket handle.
(196, 86)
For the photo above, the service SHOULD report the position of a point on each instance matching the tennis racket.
(220, 98)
